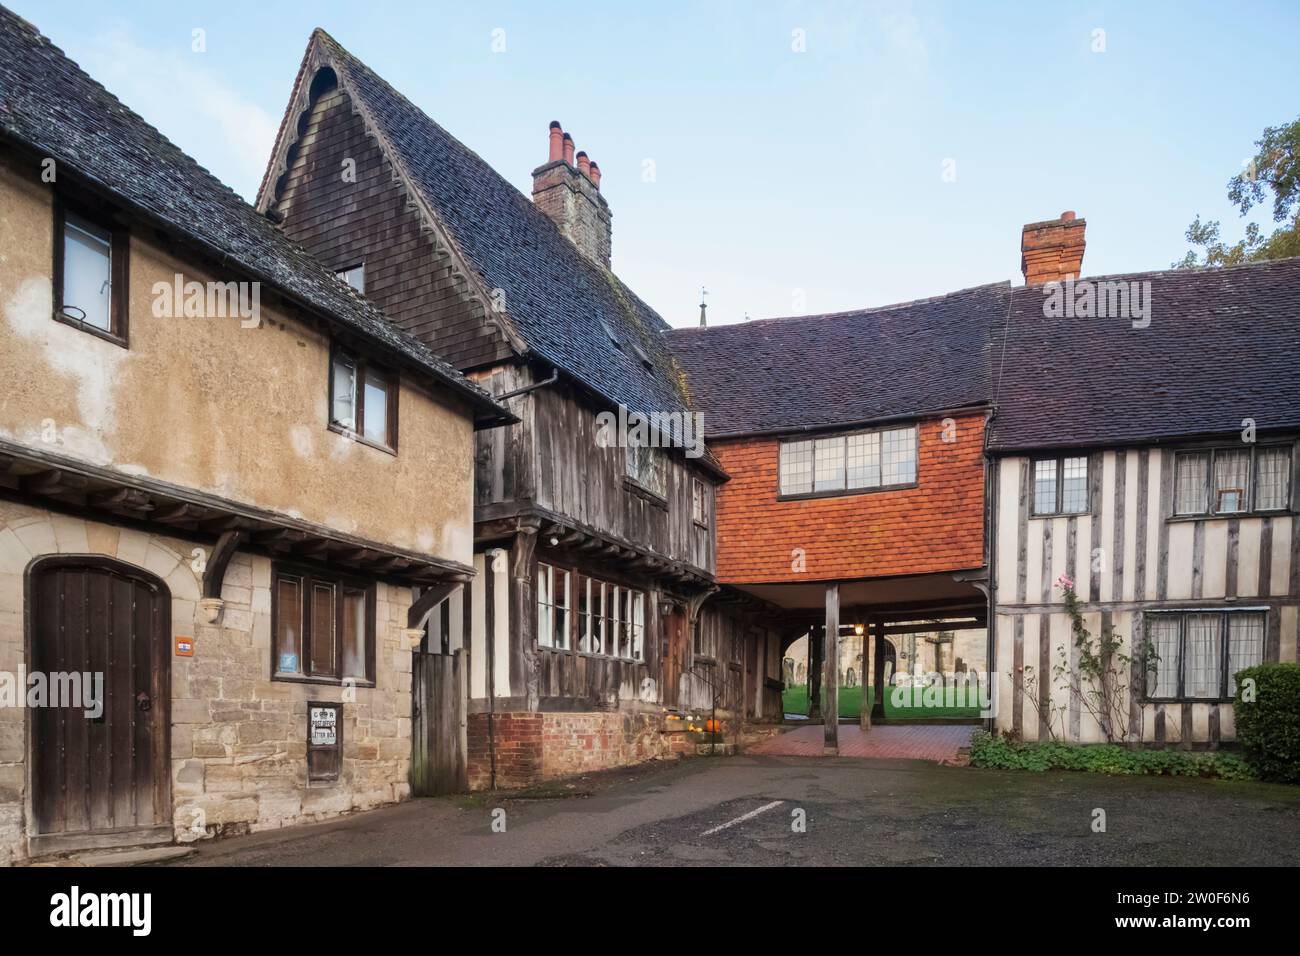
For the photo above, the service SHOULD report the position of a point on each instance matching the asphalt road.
(746, 811)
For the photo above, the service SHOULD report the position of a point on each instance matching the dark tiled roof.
(53, 107)
(555, 299)
(824, 370)
(1223, 345)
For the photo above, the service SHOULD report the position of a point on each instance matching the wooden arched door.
(100, 764)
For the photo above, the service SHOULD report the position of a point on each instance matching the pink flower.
(1065, 582)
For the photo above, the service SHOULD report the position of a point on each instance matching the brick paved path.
(901, 742)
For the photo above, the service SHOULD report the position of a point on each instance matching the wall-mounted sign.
(184, 647)
(324, 726)
(324, 740)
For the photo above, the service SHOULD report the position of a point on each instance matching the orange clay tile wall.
(936, 526)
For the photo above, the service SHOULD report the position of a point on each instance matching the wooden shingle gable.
(320, 71)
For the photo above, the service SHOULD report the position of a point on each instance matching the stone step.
(715, 750)
(137, 856)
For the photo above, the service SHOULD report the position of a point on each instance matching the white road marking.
(743, 817)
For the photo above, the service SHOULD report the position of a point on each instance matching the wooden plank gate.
(438, 724)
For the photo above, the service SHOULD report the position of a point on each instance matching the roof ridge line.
(870, 310)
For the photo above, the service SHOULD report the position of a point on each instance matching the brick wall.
(518, 742)
(938, 525)
(533, 747)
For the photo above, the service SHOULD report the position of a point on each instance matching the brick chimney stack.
(567, 189)
(1052, 251)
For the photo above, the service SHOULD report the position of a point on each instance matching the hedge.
(1267, 714)
(988, 750)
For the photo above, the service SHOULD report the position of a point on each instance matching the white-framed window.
(363, 400)
(1199, 651)
(610, 618)
(1060, 485)
(552, 607)
(1235, 480)
(860, 461)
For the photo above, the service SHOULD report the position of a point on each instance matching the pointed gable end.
(452, 251)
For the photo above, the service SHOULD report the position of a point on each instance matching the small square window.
(363, 401)
(1060, 486)
(648, 468)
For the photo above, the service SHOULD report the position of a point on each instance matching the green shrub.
(988, 750)
(1267, 712)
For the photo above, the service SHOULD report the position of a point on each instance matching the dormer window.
(363, 401)
(354, 276)
(609, 334)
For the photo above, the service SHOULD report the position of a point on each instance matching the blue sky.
(786, 181)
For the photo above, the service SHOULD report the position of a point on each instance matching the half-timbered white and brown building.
(1149, 456)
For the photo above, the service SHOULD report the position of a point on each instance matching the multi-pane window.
(363, 400)
(1192, 484)
(699, 502)
(796, 467)
(90, 275)
(647, 467)
(552, 607)
(1225, 481)
(1231, 472)
(845, 463)
(323, 627)
(1061, 485)
(1198, 652)
(610, 619)
(1272, 478)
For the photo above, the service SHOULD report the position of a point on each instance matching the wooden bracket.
(215, 571)
(429, 599)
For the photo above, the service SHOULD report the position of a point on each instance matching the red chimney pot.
(557, 142)
(568, 149)
(594, 172)
(584, 164)
(1068, 215)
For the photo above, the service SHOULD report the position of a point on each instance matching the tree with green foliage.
(1274, 169)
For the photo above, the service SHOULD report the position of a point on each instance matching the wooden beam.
(429, 599)
(180, 513)
(215, 570)
(864, 712)
(52, 482)
(312, 548)
(121, 499)
(831, 716)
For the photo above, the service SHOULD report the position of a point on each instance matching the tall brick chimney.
(1052, 251)
(569, 192)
